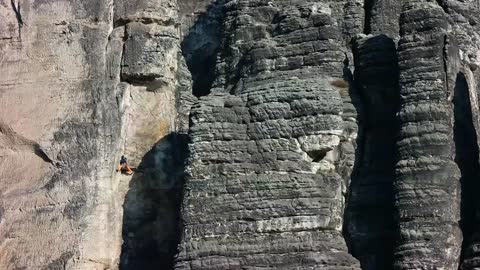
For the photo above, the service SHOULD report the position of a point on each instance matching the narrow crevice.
(445, 64)
(200, 48)
(368, 6)
(203, 71)
(369, 217)
(18, 15)
(443, 5)
(466, 158)
(144, 20)
(152, 222)
(120, 23)
(359, 143)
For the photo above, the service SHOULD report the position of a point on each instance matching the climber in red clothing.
(123, 166)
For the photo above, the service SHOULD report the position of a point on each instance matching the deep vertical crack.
(368, 6)
(17, 9)
(200, 48)
(369, 223)
(467, 158)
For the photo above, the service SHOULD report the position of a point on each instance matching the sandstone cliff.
(267, 134)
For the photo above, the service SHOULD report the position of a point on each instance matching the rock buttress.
(464, 79)
(263, 190)
(427, 179)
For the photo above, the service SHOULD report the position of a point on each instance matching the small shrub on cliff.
(340, 84)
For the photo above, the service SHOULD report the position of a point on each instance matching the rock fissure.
(201, 45)
(151, 222)
(18, 15)
(368, 7)
(467, 158)
(369, 223)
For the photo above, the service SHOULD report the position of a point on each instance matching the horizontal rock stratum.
(265, 134)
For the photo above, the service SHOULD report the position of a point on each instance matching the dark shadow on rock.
(467, 159)
(201, 46)
(358, 104)
(41, 154)
(151, 222)
(369, 225)
(368, 7)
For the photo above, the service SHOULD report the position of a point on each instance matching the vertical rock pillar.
(427, 178)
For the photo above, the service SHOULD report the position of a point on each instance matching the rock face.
(56, 93)
(427, 175)
(263, 164)
(266, 134)
(83, 82)
(382, 17)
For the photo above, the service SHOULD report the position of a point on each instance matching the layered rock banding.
(427, 176)
(321, 134)
(258, 156)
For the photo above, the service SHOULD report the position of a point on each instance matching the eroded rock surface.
(55, 92)
(263, 164)
(82, 82)
(321, 134)
(427, 185)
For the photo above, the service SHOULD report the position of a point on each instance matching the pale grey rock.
(150, 50)
(67, 116)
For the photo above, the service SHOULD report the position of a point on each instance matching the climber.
(123, 167)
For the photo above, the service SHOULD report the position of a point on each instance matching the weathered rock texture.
(56, 93)
(263, 164)
(298, 134)
(83, 82)
(427, 184)
(382, 17)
